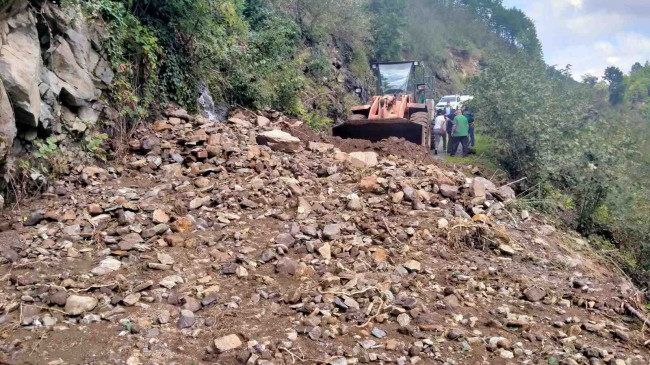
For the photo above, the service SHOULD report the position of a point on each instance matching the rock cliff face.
(52, 70)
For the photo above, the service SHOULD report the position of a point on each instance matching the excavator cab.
(394, 112)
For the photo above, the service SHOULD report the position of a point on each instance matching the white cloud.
(591, 34)
(614, 61)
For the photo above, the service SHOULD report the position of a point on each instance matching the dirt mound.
(398, 147)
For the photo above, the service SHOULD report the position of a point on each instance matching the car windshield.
(448, 99)
(395, 78)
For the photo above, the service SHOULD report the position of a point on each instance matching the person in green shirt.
(459, 134)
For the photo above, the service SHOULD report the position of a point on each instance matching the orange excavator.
(394, 112)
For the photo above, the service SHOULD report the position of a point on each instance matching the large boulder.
(505, 194)
(7, 125)
(278, 140)
(77, 87)
(20, 64)
(363, 160)
(487, 184)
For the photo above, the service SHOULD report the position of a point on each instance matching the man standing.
(470, 118)
(438, 127)
(449, 116)
(459, 133)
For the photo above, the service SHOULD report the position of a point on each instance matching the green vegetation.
(486, 155)
(584, 158)
(283, 53)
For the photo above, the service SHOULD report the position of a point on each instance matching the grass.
(486, 156)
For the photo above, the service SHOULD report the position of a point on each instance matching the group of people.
(452, 128)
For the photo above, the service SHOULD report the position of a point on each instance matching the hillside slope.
(204, 246)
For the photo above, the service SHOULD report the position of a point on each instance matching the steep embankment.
(234, 243)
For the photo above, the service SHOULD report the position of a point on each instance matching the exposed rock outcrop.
(51, 67)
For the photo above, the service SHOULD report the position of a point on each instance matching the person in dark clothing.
(470, 118)
(459, 133)
(450, 114)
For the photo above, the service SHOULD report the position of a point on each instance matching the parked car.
(456, 101)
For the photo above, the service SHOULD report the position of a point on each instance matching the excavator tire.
(422, 118)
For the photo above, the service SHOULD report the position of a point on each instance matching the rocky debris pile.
(237, 243)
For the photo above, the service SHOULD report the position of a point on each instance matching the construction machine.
(398, 110)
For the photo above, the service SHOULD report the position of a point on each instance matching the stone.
(449, 191)
(77, 87)
(451, 301)
(159, 216)
(477, 189)
(78, 304)
(131, 299)
(331, 231)
(443, 223)
(185, 320)
(7, 129)
(239, 122)
(106, 266)
(285, 239)
(504, 194)
(363, 160)
(487, 184)
(164, 258)
(278, 140)
(173, 170)
(325, 251)
(320, 147)
(182, 225)
(507, 250)
(171, 281)
(369, 183)
(156, 230)
(379, 333)
(379, 255)
(20, 64)
(404, 319)
(354, 203)
(59, 298)
(413, 265)
(227, 343)
(338, 361)
(286, 266)
(95, 209)
(534, 294)
(262, 121)
(33, 219)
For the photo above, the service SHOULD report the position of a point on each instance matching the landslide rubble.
(256, 242)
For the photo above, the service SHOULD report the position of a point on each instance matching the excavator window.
(395, 78)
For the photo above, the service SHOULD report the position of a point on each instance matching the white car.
(456, 101)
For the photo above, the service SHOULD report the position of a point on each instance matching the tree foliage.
(614, 76)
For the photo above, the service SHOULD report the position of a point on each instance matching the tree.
(636, 67)
(590, 80)
(614, 76)
(389, 24)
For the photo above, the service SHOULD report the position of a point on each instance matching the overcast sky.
(591, 34)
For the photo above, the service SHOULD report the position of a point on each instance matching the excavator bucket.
(394, 113)
(377, 130)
